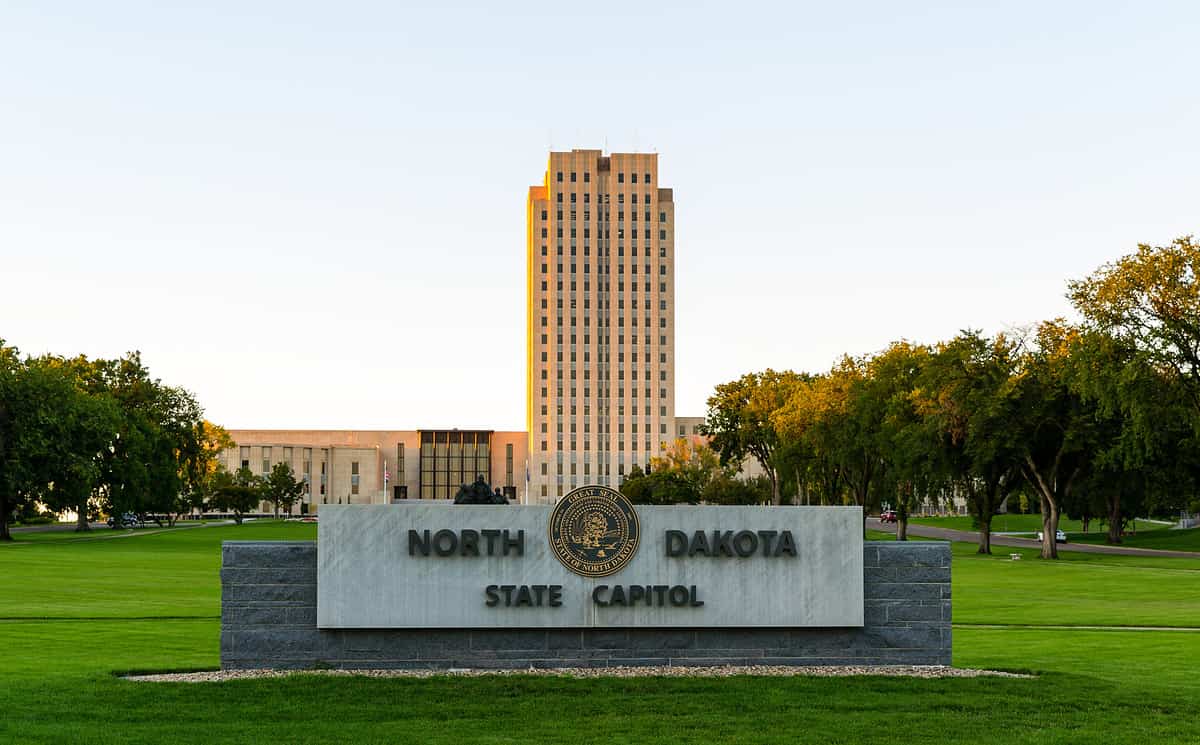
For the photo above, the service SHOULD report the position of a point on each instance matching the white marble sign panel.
(439, 565)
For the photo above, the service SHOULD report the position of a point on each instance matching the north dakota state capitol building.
(600, 389)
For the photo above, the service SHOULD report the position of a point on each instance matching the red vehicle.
(888, 516)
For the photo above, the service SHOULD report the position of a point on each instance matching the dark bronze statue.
(478, 493)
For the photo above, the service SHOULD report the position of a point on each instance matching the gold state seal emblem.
(594, 531)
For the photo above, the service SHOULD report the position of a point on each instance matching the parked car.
(1059, 536)
(888, 516)
(127, 520)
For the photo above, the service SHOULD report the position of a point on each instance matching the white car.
(1059, 536)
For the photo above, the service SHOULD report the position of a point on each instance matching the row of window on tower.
(605, 340)
(587, 410)
(603, 304)
(606, 357)
(602, 198)
(587, 216)
(662, 253)
(587, 393)
(587, 177)
(587, 233)
(602, 269)
(603, 444)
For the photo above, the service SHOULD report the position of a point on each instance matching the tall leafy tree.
(1056, 428)
(728, 488)
(804, 448)
(1144, 424)
(659, 487)
(27, 404)
(1143, 312)
(843, 418)
(964, 398)
(739, 420)
(1150, 301)
(635, 486)
(239, 493)
(693, 463)
(281, 488)
(857, 426)
(159, 454)
(79, 434)
(200, 457)
(911, 458)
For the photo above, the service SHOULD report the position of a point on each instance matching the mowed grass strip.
(1077, 589)
(1163, 540)
(1093, 686)
(125, 574)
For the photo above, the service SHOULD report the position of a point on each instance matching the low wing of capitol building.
(350, 466)
(341, 466)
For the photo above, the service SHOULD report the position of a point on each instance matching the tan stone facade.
(347, 466)
(601, 322)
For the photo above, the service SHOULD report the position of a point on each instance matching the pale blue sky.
(312, 215)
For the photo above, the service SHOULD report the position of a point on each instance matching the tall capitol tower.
(601, 367)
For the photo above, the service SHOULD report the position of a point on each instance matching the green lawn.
(1170, 540)
(76, 610)
(1017, 523)
(1078, 589)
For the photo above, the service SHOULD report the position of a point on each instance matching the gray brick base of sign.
(269, 620)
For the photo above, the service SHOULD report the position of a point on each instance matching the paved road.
(928, 531)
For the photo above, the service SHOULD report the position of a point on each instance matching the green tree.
(912, 459)
(666, 487)
(1144, 427)
(806, 450)
(159, 453)
(635, 487)
(1056, 428)
(239, 493)
(281, 488)
(1150, 301)
(845, 429)
(200, 463)
(27, 407)
(963, 397)
(685, 468)
(78, 434)
(739, 420)
(727, 488)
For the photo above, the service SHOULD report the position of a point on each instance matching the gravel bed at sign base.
(909, 671)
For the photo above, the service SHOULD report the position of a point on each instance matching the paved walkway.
(101, 532)
(53, 528)
(969, 536)
(64, 527)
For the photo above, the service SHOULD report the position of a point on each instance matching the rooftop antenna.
(605, 145)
